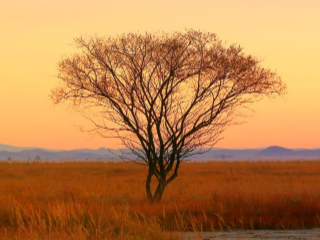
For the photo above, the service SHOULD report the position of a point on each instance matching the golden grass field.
(96, 200)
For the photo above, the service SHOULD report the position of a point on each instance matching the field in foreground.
(95, 200)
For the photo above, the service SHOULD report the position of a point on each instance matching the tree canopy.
(167, 95)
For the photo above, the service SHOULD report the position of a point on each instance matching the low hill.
(273, 152)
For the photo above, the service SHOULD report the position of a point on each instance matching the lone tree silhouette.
(168, 96)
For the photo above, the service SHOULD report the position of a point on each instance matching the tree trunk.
(156, 197)
(148, 189)
(160, 189)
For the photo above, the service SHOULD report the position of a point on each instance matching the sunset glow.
(35, 35)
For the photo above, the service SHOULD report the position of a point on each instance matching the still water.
(311, 234)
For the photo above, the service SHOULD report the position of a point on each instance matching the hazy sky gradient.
(35, 35)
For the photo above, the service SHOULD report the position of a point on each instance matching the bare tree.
(169, 95)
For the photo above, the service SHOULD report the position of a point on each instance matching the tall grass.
(96, 200)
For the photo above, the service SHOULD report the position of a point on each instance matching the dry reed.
(96, 200)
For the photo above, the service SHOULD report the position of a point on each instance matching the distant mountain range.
(21, 153)
(274, 152)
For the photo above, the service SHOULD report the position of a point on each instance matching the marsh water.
(311, 234)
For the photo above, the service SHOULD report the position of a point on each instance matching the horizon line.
(236, 148)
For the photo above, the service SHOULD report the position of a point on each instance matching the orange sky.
(35, 35)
